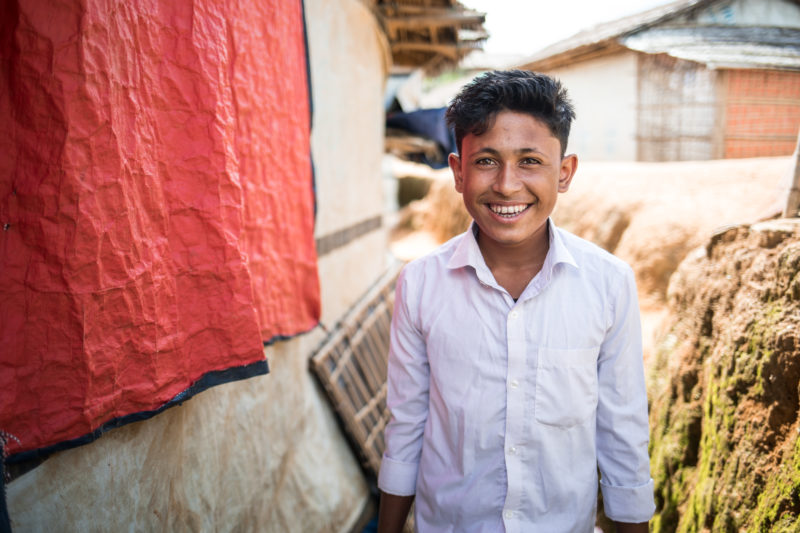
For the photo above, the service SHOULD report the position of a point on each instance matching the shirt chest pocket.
(566, 386)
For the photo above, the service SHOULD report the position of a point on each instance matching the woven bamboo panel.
(351, 365)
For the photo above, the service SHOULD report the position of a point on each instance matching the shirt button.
(514, 314)
(513, 450)
(508, 514)
(514, 383)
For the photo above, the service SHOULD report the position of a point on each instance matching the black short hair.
(474, 109)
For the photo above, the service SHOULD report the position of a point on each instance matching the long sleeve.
(407, 397)
(622, 420)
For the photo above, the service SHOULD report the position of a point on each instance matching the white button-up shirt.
(502, 411)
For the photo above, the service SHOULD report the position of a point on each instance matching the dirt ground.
(649, 214)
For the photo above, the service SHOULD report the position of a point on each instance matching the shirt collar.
(558, 253)
(467, 252)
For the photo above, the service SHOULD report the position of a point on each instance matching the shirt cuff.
(397, 477)
(629, 504)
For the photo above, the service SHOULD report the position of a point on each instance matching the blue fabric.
(5, 521)
(372, 527)
(428, 123)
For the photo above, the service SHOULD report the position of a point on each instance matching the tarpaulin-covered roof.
(603, 37)
(669, 29)
(723, 46)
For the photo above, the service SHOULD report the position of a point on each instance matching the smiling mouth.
(508, 211)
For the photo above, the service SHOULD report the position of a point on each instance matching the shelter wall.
(762, 112)
(677, 111)
(263, 454)
(349, 66)
(603, 91)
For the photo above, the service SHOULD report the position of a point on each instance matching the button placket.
(515, 338)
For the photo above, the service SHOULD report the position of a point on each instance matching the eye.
(484, 162)
(531, 161)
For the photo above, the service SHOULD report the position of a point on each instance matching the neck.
(513, 267)
(524, 256)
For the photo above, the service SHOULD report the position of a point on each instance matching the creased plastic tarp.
(156, 204)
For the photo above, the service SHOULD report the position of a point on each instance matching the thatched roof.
(431, 34)
(669, 29)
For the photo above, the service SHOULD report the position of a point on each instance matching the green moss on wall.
(725, 453)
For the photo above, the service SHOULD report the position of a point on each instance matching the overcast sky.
(526, 26)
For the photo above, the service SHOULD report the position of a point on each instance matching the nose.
(507, 182)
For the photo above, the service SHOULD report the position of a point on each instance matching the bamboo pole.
(792, 208)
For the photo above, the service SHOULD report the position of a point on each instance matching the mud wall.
(723, 386)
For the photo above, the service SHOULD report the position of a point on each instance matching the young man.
(515, 367)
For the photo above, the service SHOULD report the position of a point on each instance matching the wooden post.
(792, 208)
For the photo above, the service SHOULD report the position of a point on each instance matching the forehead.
(514, 129)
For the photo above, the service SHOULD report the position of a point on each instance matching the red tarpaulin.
(156, 203)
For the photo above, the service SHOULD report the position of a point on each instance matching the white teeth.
(508, 210)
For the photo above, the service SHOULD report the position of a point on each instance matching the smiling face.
(509, 178)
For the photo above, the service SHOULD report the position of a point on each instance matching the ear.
(569, 164)
(455, 166)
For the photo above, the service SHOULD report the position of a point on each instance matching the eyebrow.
(518, 151)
